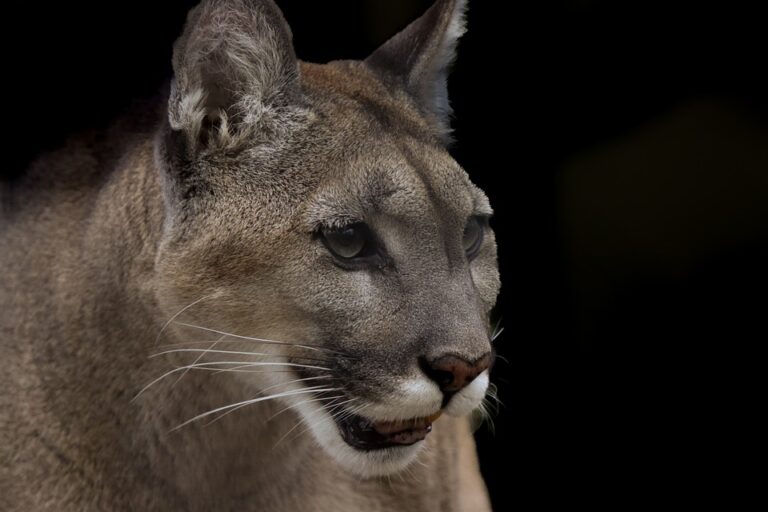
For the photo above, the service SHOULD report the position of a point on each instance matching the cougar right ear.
(235, 71)
(419, 57)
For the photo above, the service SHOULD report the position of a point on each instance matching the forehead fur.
(352, 87)
(390, 161)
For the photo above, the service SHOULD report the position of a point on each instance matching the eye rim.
(370, 254)
(481, 224)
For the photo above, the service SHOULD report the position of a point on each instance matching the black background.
(624, 392)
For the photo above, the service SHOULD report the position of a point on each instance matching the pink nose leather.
(453, 373)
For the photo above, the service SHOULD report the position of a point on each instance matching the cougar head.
(316, 222)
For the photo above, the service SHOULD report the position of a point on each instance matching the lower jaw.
(360, 434)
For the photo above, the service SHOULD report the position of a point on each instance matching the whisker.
(273, 386)
(234, 352)
(309, 400)
(498, 323)
(222, 340)
(493, 394)
(199, 358)
(312, 389)
(336, 409)
(179, 312)
(344, 415)
(265, 390)
(349, 412)
(240, 340)
(332, 417)
(261, 340)
(488, 408)
(238, 369)
(241, 363)
(486, 417)
(235, 369)
(301, 420)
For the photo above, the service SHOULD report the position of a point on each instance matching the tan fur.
(107, 240)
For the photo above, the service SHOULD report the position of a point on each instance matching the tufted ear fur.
(419, 58)
(235, 73)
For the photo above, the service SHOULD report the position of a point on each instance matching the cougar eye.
(473, 236)
(348, 242)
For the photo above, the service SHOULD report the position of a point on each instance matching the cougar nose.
(452, 373)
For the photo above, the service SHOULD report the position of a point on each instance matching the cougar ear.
(234, 72)
(419, 58)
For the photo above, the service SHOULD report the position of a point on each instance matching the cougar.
(258, 292)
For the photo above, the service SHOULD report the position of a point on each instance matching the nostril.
(452, 373)
(443, 378)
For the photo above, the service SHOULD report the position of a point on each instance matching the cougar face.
(319, 237)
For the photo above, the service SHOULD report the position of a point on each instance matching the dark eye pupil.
(347, 242)
(473, 236)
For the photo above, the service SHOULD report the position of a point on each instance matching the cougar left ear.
(235, 73)
(419, 57)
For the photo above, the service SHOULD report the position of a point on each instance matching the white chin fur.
(390, 460)
(366, 464)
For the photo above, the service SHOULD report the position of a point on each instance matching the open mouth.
(366, 434)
